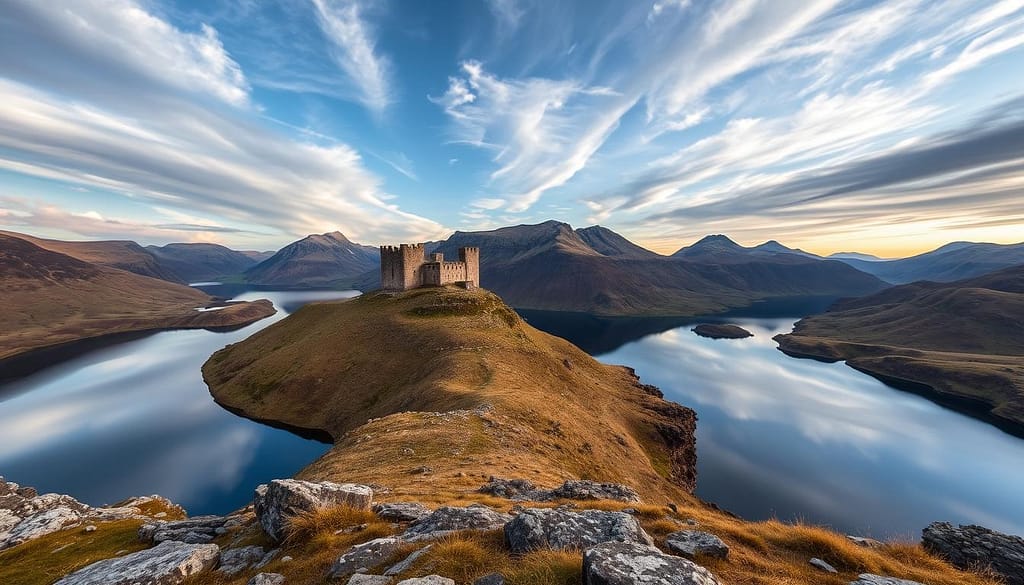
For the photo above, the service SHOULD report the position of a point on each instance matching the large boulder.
(623, 563)
(562, 528)
(972, 546)
(513, 489)
(869, 579)
(691, 543)
(40, 524)
(235, 560)
(365, 557)
(452, 519)
(281, 499)
(168, 563)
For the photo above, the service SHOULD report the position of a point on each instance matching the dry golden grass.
(44, 560)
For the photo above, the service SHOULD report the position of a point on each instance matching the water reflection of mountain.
(600, 335)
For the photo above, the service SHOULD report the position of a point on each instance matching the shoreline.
(29, 361)
(973, 407)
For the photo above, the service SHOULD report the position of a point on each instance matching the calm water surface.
(136, 418)
(800, 439)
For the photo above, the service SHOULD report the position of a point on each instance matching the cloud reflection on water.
(804, 439)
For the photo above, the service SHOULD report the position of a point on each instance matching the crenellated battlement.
(407, 266)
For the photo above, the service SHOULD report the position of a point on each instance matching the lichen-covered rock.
(865, 541)
(621, 563)
(168, 563)
(822, 565)
(971, 546)
(401, 511)
(869, 579)
(691, 543)
(592, 490)
(404, 564)
(492, 579)
(364, 557)
(449, 519)
(267, 579)
(512, 489)
(561, 528)
(40, 524)
(280, 499)
(364, 579)
(428, 580)
(235, 560)
(198, 530)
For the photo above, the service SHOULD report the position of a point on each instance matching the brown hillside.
(122, 254)
(456, 381)
(963, 340)
(51, 298)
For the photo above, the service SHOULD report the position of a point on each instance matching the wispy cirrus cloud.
(208, 150)
(354, 50)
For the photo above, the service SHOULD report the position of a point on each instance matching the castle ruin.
(407, 266)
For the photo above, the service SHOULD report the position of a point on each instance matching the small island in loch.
(721, 331)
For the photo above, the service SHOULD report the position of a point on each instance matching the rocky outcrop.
(365, 557)
(26, 514)
(976, 546)
(364, 579)
(401, 511)
(451, 519)
(619, 563)
(693, 543)
(168, 563)
(821, 565)
(280, 499)
(235, 560)
(869, 579)
(198, 530)
(592, 490)
(562, 528)
(406, 563)
(267, 579)
(573, 489)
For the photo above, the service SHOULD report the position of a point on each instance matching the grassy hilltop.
(428, 393)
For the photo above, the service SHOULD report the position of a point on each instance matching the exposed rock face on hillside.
(960, 341)
(970, 546)
(281, 498)
(451, 371)
(168, 563)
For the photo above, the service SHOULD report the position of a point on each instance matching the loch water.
(777, 436)
(134, 417)
(803, 440)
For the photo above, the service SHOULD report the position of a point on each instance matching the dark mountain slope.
(50, 298)
(198, 262)
(122, 254)
(951, 262)
(316, 261)
(608, 243)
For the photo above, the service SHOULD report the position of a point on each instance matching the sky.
(889, 127)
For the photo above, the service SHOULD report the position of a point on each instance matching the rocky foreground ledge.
(586, 532)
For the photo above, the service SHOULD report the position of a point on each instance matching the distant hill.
(855, 256)
(951, 262)
(324, 260)
(202, 262)
(961, 339)
(719, 248)
(122, 254)
(594, 270)
(50, 298)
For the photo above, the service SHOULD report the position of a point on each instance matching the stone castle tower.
(407, 266)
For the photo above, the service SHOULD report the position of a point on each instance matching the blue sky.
(888, 127)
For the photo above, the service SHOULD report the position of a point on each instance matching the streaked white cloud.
(198, 154)
(354, 50)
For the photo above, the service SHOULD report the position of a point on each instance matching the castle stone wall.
(406, 266)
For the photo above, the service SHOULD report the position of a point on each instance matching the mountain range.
(321, 260)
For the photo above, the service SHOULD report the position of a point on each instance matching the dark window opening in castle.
(407, 266)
